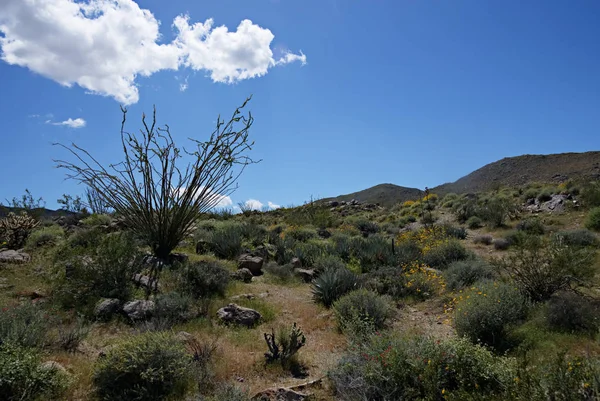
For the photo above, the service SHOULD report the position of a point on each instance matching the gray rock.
(12, 256)
(252, 263)
(279, 394)
(334, 203)
(305, 274)
(139, 309)
(107, 307)
(243, 274)
(556, 204)
(296, 263)
(146, 282)
(238, 315)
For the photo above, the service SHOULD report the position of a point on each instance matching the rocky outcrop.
(106, 308)
(238, 315)
(16, 257)
(252, 263)
(242, 274)
(139, 309)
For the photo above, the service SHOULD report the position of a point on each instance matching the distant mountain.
(41, 212)
(384, 194)
(522, 170)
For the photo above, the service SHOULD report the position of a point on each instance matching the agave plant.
(332, 284)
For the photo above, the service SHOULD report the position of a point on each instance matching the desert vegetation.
(141, 290)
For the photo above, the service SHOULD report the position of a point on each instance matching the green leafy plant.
(447, 252)
(151, 366)
(577, 238)
(24, 324)
(474, 222)
(45, 236)
(332, 284)
(572, 312)
(465, 273)
(368, 309)
(593, 219)
(204, 279)
(532, 225)
(284, 345)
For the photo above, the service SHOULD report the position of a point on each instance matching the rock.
(296, 263)
(107, 307)
(556, 204)
(242, 274)
(202, 247)
(139, 309)
(279, 394)
(252, 263)
(12, 256)
(177, 257)
(334, 203)
(146, 282)
(261, 252)
(305, 274)
(238, 315)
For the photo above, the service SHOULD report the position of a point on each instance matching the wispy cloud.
(273, 206)
(87, 44)
(76, 123)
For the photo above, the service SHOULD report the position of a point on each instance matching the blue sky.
(346, 94)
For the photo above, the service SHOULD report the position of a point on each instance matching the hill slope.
(521, 170)
(384, 194)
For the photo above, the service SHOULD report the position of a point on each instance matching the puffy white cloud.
(273, 206)
(253, 204)
(76, 123)
(222, 200)
(104, 45)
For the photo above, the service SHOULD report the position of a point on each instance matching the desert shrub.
(362, 307)
(204, 279)
(516, 238)
(301, 234)
(24, 378)
(96, 220)
(494, 211)
(464, 208)
(254, 234)
(341, 246)
(170, 309)
(283, 273)
(70, 336)
(44, 236)
(284, 345)
(455, 232)
(227, 392)
(532, 225)
(412, 280)
(391, 367)
(485, 239)
(226, 241)
(82, 239)
(24, 324)
(573, 313)
(15, 229)
(474, 222)
(442, 255)
(151, 366)
(545, 195)
(309, 252)
(328, 262)
(501, 244)
(372, 252)
(540, 267)
(531, 193)
(577, 238)
(590, 194)
(332, 284)
(466, 273)
(102, 271)
(593, 219)
(483, 314)
(366, 226)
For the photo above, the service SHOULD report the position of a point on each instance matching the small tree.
(95, 202)
(71, 204)
(157, 200)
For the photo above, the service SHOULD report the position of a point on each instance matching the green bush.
(24, 378)
(45, 236)
(366, 226)
(571, 312)
(25, 324)
(474, 222)
(102, 271)
(442, 255)
(484, 313)
(466, 273)
(372, 252)
(578, 238)
(532, 225)
(401, 283)
(151, 366)
(545, 195)
(204, 279)
(309, 252)
(485, 239)
(227, 392)
(301, 234)
(455, 232)
(360, 308)
(496, 210)
(593, 219)
(227, 240)
(170, 309)
(328, 262)
(590, 194)
(332, 284)
(541, 267)
(391, 367)
(70, 336)
(96, 220)
(501, 244)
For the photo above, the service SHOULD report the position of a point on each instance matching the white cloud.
(222, 200)
(253, 204)
(272, 205)
(76, 123)
(104, 45)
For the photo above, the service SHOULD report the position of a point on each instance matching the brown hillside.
(384, 194)
(521, 170)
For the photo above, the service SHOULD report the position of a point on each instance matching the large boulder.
(556, 204)
(252, 263)
(279, 394)
(106, 308)
(12, 256)
(139, 309)
(146, 282)
(238, 315)
(307, 275)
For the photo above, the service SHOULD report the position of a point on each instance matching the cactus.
(285, 345)
(14, 229)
